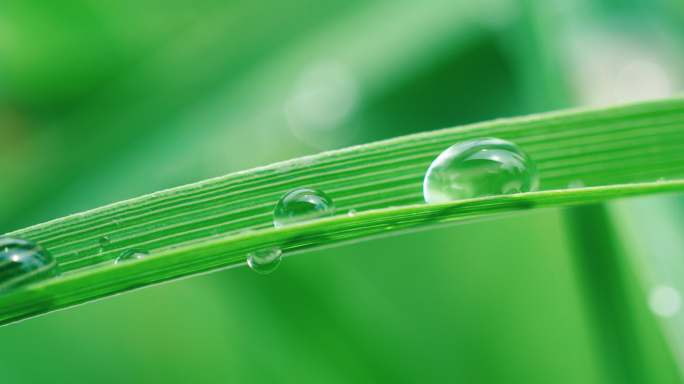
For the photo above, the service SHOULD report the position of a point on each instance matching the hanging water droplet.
(265, 261)
(479, 167)
(351, 212)
(23, 262)
(104, 241)
(302, 204)
(131, 254)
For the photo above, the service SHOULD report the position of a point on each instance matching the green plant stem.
(610, 303)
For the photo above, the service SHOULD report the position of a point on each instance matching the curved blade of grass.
(211, 225)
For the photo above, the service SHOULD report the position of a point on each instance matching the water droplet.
(302, 204)
(23, 262)
(574, 184)
(351, 212)
(131, 254)
(664, 301)
(265, 261)
(479, 167)
(661, 180)
(104, 241)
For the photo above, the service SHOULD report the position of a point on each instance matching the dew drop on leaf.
(104, 241)
(131, 254)
(23, 262)
(265, 261)
(302, 204)
(477, 168)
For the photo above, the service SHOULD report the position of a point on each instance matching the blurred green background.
(102, 101)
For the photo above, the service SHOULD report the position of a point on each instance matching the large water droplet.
(479, 167)
(23, 262)
(302, 204)
(131, 254)
(265, 260)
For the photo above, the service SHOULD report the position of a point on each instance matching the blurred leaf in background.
(102, 101)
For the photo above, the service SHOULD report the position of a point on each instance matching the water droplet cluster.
(295, 206)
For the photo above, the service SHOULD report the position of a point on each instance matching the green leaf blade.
(197, 228)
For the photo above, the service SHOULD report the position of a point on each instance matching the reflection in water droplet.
(104, 241)
(351, 212)
(477, 168)
(265, 261)
(23, 262)
(302, 204)
(131, 254)
(664, 301)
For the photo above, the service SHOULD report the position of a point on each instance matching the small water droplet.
(574, 184)
(661, 180)
(351, 212)
(131, 254)
(302, 204)
(23, 262)
(265, 261)
(477, 168)
(104, 241)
